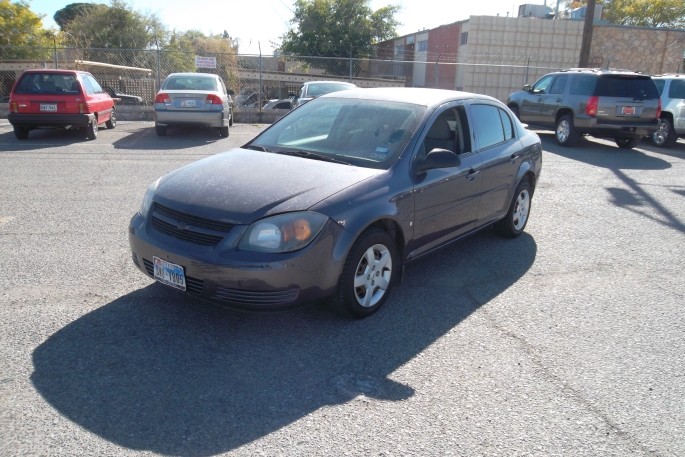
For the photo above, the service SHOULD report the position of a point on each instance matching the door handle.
(558, 100)
(513, 158)
(472, 174)
(540, 99)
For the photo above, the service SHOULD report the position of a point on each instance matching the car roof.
(599, 71)
(668, 75)
(328, 82)
(207, 75)
(56, 71)
(414, 95)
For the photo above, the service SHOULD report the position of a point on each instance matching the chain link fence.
(258, 79)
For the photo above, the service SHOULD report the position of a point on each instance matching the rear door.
(626, 99)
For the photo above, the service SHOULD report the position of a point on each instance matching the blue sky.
(265, 21)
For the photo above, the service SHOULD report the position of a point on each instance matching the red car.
(59, 98)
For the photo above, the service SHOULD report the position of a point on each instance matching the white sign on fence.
(205, 62)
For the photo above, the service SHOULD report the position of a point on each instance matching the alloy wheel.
(372, 276)
(563, 130)
(521, 209)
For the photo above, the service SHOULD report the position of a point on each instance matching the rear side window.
(677, 89)
(48, 83)
(87, 85)
(660, 83)
(506, 123)
(94, 83)
(583, 85)
(488, 125)
(626, 86)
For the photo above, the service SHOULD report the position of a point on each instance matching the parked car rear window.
(190, 83)
(48, 83)
(614, 86)
(677, 89)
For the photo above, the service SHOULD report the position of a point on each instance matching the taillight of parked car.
(658, 110)
(591, 107)
(83, 108)
(213, 99)
(14, 108)
(162, 98)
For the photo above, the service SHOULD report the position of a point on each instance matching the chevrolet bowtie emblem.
(182, 226)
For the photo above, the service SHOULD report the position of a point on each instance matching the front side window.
(365, 133)
(488, 125)
(542, 86)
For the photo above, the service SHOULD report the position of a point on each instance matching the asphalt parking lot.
(569, 340)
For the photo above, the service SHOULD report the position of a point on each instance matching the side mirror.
(439, 158)
(292, 96)
(230, 92)
(527, 88)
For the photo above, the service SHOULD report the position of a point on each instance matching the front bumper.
(50, 120)
(608, 129)
(164, 117)
(242, 279)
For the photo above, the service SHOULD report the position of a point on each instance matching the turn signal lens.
(591, 107)
(80, 108)
(299, 230)
(658, 110)
(13, 108)
(162, 98)
(213, 99)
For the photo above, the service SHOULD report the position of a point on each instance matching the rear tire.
(112, 122)
(665, 136)
(565, 132)
(161, 130)
(21, 133)
(92, 129)
(627, 143)
(516, 219)
(223, 132)
(368, 275)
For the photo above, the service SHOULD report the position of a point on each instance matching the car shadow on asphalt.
(603, 155)
(154, 370)
(634, 198)
(43, 139)
(177, 138)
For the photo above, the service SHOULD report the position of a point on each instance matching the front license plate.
(628, 110)
(188, 103)
(169, 273)
(52, 107)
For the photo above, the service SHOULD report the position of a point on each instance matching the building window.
(464, 38)
(422, 46)
(399, 50)
(410, 39)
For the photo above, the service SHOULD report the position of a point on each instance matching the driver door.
(531, 105)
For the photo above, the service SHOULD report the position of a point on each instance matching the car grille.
(254, 297)
(188, 235)
(193, 285)
(195, 221)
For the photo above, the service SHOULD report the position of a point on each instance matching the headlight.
(283, 233)
(147, 199)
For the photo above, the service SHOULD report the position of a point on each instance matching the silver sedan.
(193, 99)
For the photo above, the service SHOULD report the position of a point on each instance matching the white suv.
(672, 121)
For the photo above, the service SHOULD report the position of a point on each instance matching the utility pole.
(584, 61)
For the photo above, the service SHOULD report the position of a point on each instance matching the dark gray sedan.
(330, 201)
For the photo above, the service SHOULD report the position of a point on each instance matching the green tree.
(646, 13)
(67, 14)
(19, 26)
(334, 28)
(116, 26)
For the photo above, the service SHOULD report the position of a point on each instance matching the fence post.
(350, 64)
(527, 66)
(54, 42)
(260, 79)
(437, 71)
(159, 81)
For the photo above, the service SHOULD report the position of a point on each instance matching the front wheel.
(21, 133)
(565, 132)
(665, 136)
(112, 122)
(92, 129)
(627, 143)
(368, 275)
(517, 217)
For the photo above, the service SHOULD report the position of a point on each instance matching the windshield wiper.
(257, 148)
(313, 156)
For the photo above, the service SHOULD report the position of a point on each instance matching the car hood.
(241, 185)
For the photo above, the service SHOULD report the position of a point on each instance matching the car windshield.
(190, 83)
(48, 83)
(367, 133)
(315, 90)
